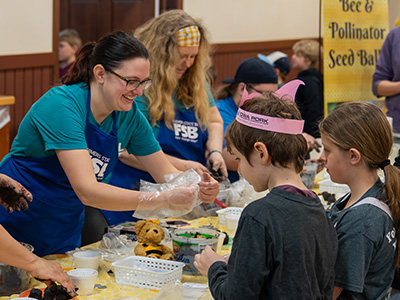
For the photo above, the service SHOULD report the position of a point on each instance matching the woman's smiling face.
(115, 87)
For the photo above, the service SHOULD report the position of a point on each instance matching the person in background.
(254, 75)
(68, 46)
(178, 105)
(386, 78)
(357, 140)
(14, 197)
(309, 97)
(281, 63)
(287, 232)
(67, 145)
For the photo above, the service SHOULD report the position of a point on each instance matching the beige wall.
(26, 26)
(394, 12)
(231, 21)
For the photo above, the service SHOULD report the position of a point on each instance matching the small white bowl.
(84, 280)
(87, 259)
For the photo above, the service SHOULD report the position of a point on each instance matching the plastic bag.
(171, 199)
(114, 247)
(243, 193)
(203, 210)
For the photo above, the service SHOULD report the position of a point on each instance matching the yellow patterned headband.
(189, 36)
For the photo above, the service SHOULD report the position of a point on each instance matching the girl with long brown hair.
(357, 140)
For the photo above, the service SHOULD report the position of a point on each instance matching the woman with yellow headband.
(178, 104)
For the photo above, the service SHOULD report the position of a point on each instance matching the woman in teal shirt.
(68, 144)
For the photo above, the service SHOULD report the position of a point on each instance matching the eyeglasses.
(133, 84)
(254, 89)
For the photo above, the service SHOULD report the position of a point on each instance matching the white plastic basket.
(329, 186)
(229, 210)
(147, 273)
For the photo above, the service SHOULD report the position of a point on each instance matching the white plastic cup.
(308, 174)
(220, 241)
(232, 221)
(84, 280)
(87, 259)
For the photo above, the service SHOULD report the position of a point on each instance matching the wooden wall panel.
(91, 18)
(170, 4)
(26, 85)
(94, 18)
(125, 14)
(28, 77)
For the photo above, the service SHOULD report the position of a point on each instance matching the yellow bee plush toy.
(149, 235)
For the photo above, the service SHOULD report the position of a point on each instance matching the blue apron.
(55, 218)
(185, 141)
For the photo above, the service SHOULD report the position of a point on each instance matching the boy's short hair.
(71, 36)
(310, 50)
(284, 149)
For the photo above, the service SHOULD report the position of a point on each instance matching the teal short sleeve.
(143, 105)
(142, 141)
(55, 122)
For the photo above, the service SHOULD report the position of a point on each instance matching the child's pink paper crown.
(280, 125)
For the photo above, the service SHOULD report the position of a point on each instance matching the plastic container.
(308, 174)
(187, 242)
(87, 259)
(229, 210)
(331, 187)
(84, 279)
(147, 273)
(232, 221)
(220, 243)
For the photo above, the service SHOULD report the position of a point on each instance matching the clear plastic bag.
(174, 198)
(210, 210)
(243, 193)
(114, 247)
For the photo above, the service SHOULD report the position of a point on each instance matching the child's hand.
(209, 188)
(204, 260)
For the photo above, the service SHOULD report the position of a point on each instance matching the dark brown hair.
(109, 51)
(285, 150)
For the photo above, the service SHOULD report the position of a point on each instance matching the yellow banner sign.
(354, 32)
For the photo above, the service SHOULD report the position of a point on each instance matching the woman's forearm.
(215, 131)
(388, 88)
(13, 253)
(98, 194)
(131, 160)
